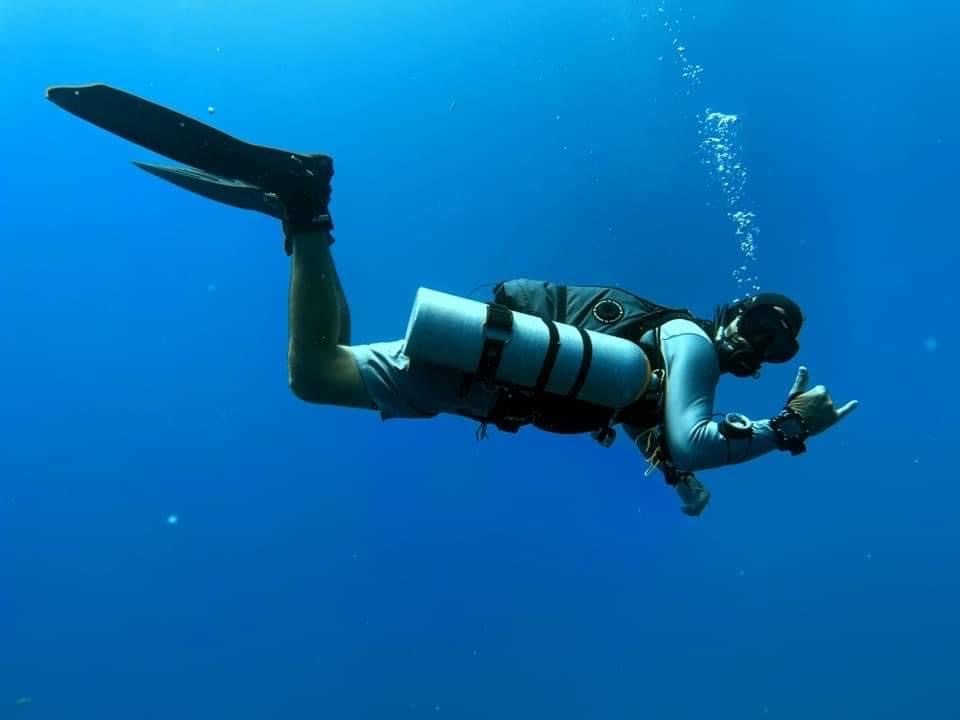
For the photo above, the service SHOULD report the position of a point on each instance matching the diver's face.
(764, 330)
(730, 331)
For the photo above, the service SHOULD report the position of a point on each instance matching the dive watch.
(790, 430)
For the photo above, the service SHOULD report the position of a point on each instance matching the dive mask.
(769, 333)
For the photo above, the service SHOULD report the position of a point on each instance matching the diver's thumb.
(800, 383)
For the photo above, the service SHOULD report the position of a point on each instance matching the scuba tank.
(513, 349)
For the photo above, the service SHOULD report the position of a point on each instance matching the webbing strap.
(562, 303)
(497, 332)
(553, 349)
(585, 363)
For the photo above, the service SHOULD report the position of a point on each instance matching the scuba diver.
(565, 359)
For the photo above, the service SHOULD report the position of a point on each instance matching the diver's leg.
(344, 336)
(321, 368)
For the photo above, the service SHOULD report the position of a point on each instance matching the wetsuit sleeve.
(692, 435)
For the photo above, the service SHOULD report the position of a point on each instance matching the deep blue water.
(326, 564)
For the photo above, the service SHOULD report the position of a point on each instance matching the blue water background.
(326, 564)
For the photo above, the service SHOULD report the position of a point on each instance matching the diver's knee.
(333, 379)
(308, 381)
(306, 389)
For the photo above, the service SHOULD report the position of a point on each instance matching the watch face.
(790, 427)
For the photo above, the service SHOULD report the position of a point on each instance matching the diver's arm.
(692, 435)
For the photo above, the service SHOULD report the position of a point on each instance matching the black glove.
(693, 493)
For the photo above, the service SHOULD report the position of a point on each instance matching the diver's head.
(759, 329)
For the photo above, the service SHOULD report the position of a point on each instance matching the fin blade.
(235, 193)
(186, 140)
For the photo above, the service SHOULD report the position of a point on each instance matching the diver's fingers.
(847, 409)
(800, 384)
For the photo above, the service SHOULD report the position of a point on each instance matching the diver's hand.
(815, 405)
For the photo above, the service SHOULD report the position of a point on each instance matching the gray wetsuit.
(402, 388)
